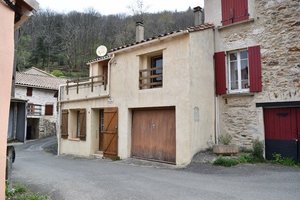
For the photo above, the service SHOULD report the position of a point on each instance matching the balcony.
(84, 88)
(151, 78)
(34, 110)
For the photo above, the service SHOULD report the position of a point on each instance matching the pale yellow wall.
(6, 69)
(213, 11)
(179, 54)
(202, 90)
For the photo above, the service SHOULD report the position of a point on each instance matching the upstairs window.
(234, 11)
(243, 71)
(29, 91)
(238, 71)
(49, 109)
(151, 76)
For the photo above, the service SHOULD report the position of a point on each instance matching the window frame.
(240, 89)
(29, 91)
(52, 109)
(153, 61)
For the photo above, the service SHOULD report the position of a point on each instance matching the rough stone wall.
(46, 128)
(276, 28)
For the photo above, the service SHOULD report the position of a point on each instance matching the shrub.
(225, 139)
(278, 159)
(258, 150)
(57, 73)
(226, 162)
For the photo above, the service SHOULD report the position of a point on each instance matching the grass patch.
(226, 161)
(20, 192)
(278, 159)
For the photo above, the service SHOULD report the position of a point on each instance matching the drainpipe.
(109, 73)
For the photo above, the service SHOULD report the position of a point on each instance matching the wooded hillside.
(51, 40)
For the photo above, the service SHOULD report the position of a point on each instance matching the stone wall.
(46, 128)
(276, 28)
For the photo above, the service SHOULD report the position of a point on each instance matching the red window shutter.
(29, 91)
(220, 73)
(255, 69)
(240, 10)
(227, 12)
(234, 11)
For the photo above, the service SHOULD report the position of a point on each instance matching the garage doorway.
(32, 128)
(154, 134)
(282, 132)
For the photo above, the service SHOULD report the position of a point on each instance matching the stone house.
(40, 89)
(12, 14)
(257, 64)
(167, 97)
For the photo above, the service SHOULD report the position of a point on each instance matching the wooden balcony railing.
(150, 78)
(88, 81)
(34, 110)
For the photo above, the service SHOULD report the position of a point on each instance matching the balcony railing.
(151, 78)
(34, 110)
(88, 81)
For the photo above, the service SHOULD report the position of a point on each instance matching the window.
(238, 76)
(243, 71)
(151, 76)
(29, 91)
(49, 109)
(234, 11)
(81, 124)
(156, 72)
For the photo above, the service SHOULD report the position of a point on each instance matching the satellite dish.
(101, 50)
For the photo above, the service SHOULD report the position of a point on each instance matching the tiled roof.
(100, 58)
(189, 29)
(34, 70)
(39, 81)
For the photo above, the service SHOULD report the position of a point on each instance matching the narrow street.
(71, 178)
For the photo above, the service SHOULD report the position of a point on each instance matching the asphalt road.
(71, 178)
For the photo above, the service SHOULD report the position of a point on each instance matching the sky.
(106, 7)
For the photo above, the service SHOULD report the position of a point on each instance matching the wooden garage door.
(153, 134)
(282, 130)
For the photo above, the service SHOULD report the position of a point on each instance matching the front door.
(282, 131)
(108, 140)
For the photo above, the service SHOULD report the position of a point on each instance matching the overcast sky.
(106, 7)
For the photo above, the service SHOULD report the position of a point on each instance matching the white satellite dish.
(101, 50)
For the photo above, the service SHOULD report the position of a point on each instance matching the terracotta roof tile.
(39, 81)
(189, 29)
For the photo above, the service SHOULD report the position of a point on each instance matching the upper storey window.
(234, 11)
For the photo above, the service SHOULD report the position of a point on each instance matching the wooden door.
(153, 134)
(109, 143)
(282, 132)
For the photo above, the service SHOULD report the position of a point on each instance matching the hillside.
(51, 40)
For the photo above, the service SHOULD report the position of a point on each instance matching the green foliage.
(278, 159)
(57, 73)
(258, 150)
(225, 139)
(50, 40)
(20, 192)
(226, 162)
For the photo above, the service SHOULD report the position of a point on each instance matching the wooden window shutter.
(227, 12)
(255, 69)
(240, 10)
(220, 73)
(29, 91)
(64, 124)
(48, 109)
(82, 118)
(234, 11)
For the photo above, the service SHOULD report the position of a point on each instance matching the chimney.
(139, 31)
(199, 16)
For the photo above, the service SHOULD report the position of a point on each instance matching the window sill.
(74, 139)
(241, 94)
(235, 24)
